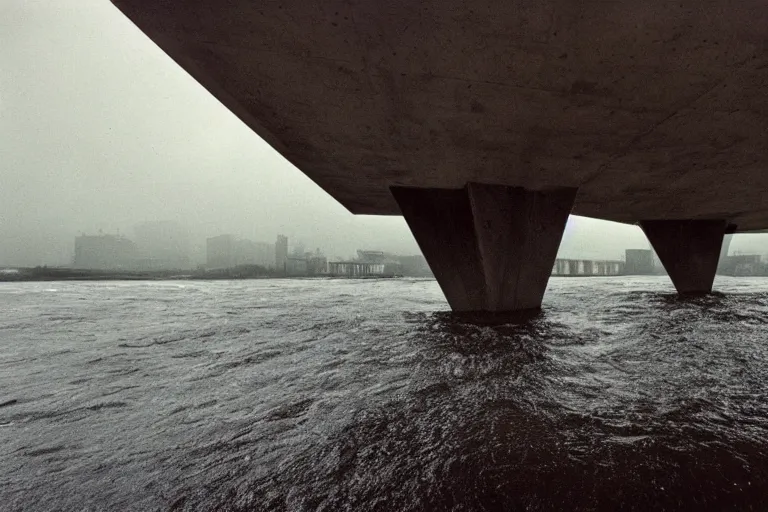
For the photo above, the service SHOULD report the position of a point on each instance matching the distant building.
(317, 264)
(639, 262)
(265, 254)
(414, 266)
(281, 253)
(296, 266)
(309, 264)
(220, 252)
(255, 253)
(105, 252)
(298, 251)
(228, 251)
(244, 252)
(373, 256)
(163, 245)
(743, 265)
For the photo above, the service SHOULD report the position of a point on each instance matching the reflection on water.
(344, 395)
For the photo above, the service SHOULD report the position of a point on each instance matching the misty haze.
(189, 322)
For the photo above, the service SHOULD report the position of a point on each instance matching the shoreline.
(43, 274)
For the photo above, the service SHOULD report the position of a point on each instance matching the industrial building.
(743, 265)
(317, 264)
(220, 252)
(228, 251)
(281, 253)
(248, 252)
(105, 252)
(639, 262)
(295, 266)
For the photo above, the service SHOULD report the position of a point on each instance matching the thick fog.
(99, 130)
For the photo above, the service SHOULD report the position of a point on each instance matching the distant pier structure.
(380, 264)
(356, 269)
(562, 267)
(568, 267)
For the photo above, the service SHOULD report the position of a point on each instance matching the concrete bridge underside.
(501, 117)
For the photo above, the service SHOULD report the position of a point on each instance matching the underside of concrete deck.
(653, 109)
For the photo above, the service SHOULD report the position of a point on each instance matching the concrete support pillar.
(688, 249)
(491, 247)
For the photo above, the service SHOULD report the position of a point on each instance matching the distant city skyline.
(583, 239)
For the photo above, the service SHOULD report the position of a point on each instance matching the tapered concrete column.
(688, 249)
(491, 247)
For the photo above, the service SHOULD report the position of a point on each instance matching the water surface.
(365, 395)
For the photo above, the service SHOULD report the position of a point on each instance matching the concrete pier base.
(491, 247)
(688, 249)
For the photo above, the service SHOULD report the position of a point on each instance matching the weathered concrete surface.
(654, 109)
(688, 249)
(490, 247)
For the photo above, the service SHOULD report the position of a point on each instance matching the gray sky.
(99, 129)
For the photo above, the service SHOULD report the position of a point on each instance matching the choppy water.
(360, 395)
